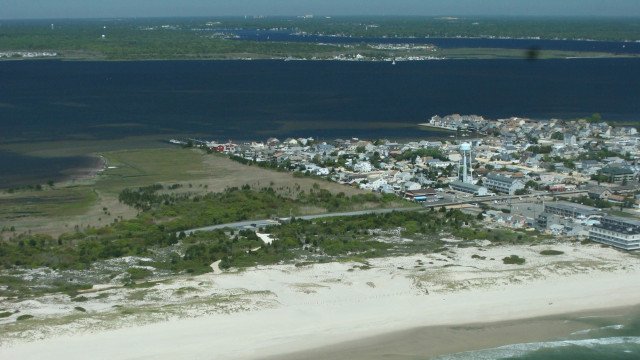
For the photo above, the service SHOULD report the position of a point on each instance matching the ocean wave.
(521, 350)
(587, 331)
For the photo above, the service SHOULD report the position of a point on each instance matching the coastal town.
(571, 178)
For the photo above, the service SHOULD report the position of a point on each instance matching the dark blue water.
(49, 100)
(19, 170)
(614, 47)
(55, 100)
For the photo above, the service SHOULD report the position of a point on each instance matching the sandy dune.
(317, 305)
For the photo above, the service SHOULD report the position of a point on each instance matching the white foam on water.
(519, 350)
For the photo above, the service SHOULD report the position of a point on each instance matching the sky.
(33, 9)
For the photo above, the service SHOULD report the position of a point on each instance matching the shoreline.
(286, 59)
(430, 342)
(273, 311)
(86, 168)
(86, 173)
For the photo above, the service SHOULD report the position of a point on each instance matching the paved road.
(473, 200)
(255, 224)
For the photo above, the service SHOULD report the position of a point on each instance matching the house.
(587, 164)
(363, 166)
(618, 199)
(570, 139)
(421, 195)
(599, 193)
(223, 148)
(411, 185)
(503, 184)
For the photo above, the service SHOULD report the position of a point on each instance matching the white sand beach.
(283, 308)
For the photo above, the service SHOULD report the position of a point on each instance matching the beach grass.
(142, 167)
(67, 201)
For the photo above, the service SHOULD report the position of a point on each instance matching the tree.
(600, 178)
(595, 118)
(540, 149)
(531, 184)
(557, 135)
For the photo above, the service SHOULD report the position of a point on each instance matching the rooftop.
(461, 184)
(569, 206)
(500, 178)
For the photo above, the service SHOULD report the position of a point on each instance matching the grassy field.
(94, 202)
(135, 168)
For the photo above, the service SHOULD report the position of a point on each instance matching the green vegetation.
(80, 308)
(499, 236)
(601, 154)
(71, 201)
(16, 285)
(513, 260)
(207, 38)
(5, 314)
(139, 273)
(162, 219)
(551, 252)
(514, 27)
(537, 149)
(156, 229)
(413, 154)
(133, 168)
(24, 317)
(586, 200)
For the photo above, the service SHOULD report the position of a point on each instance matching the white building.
(503, 184)
(617, 231)
(363, 166)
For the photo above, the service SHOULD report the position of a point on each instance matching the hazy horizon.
(78, 9)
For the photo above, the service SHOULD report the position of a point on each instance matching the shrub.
(80, 299)
(139, 273)
(5, 314)
(551, 252)
(513, 260)
(475, 256)
(24, 317)
(81, 309)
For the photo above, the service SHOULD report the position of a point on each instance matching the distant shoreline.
(261, 57)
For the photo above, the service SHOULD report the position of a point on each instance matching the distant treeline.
(194, 39)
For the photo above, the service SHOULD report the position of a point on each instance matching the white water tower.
(465, 149)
